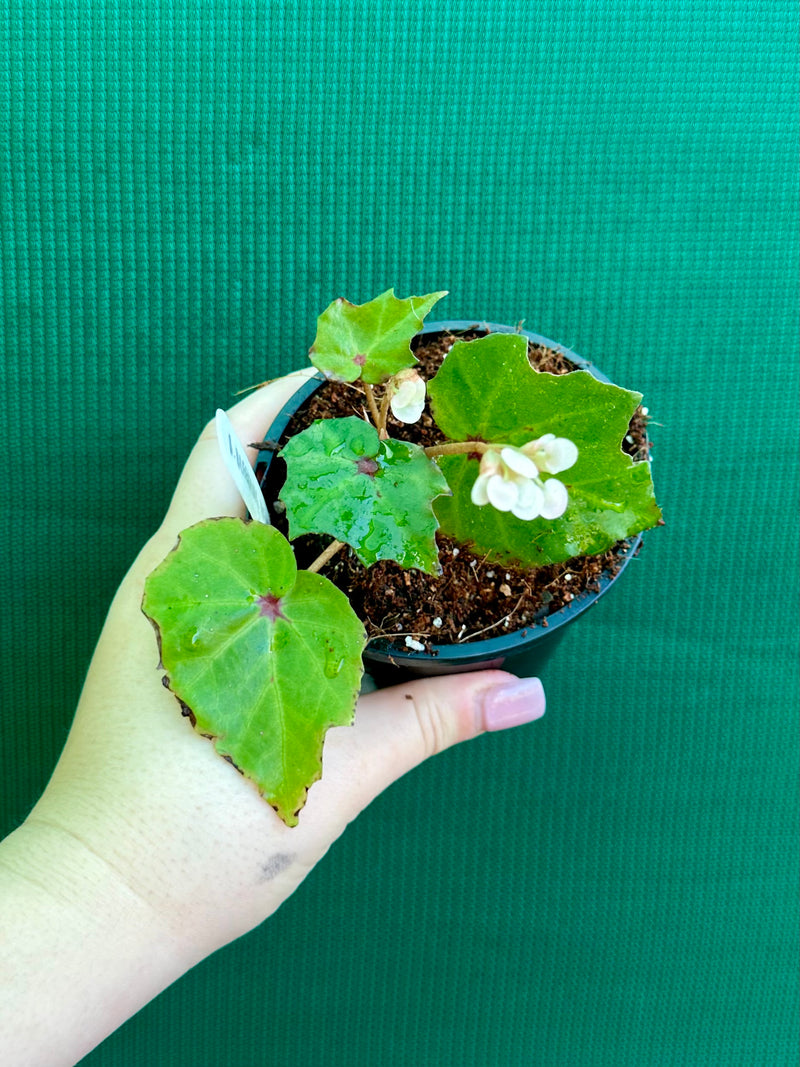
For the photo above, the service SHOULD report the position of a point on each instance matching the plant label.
(238, 465)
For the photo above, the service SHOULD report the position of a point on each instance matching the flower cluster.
(510, 478)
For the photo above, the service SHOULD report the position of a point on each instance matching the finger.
(397, 728)
(206, 488)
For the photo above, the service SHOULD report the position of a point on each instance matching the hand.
(177, 846)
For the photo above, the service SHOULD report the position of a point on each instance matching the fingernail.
(513, 703)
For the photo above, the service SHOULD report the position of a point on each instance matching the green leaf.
(487, 390)
(374, 495)
(369, 341)
(265, 657)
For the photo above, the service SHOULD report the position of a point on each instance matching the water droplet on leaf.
(333, 664)
(280, 639)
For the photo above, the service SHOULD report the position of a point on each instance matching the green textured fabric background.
(183, 187)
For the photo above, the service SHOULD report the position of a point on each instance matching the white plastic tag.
(235, 459)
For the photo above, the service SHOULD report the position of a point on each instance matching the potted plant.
(489, 465)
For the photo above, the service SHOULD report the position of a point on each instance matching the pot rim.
(384, 650)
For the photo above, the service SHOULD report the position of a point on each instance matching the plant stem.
(383, 414)
(323, 557)
(455, 448)
(373, 407)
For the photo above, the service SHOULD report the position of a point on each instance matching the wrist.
(82, 952)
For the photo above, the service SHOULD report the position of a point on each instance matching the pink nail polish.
(513, 703)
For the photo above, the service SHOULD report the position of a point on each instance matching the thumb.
(206, 488)
(397, 728)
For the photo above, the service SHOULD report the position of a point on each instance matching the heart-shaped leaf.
(369, 341)
(265, 658)
(374, 495)
(487, 390)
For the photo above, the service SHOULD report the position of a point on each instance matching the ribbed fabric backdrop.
(183, 187)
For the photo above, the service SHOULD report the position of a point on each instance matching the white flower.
(510, 479)
(408, 395)
(551, 454)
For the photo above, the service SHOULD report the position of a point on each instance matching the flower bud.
(552, 454)
(408, 395)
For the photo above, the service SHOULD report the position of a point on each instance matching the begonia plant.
(264, 657)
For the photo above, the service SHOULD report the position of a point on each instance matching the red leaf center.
(270, 606)
(367, 466)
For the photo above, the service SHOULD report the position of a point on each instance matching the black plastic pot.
(524, 651)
